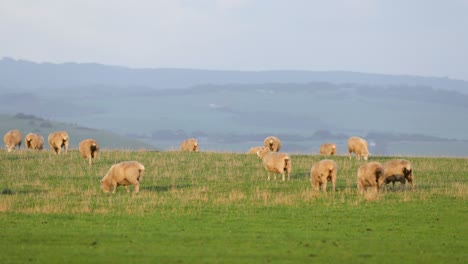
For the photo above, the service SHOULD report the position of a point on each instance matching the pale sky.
(412, 37)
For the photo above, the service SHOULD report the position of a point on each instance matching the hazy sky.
(416, 37)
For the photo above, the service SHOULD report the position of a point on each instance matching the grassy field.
(219, 208)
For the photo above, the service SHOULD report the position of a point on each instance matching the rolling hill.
(233, 110)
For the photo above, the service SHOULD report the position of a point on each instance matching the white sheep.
(123, 173)
(398, 170)
(359, 146)
(57, 140)
(370, 175)
(254, 150)
(328, 149)
(34, 141)
(273, 143)
(278, 163)
(322, 172)
(12, 139)
(190, 144)
(89, 149)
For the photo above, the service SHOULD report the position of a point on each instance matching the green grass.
(219, 208)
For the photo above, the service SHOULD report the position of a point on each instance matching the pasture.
(219, 208)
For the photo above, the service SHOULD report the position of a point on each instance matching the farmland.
(213, 207)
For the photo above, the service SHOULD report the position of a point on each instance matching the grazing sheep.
(57, 140)
(278, 163)
(328, 149)
(398, 170)
(123, 173)
(254, 150)
(370, 175)
(34, 141)
(190, 144)
(322, 172)
(89, 149)
(12, 139)
(273, 143)
(359, 147)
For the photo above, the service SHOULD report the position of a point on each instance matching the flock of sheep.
(370, 175)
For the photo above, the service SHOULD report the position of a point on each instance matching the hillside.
(107, 140)
(232, 111)
(69, 76)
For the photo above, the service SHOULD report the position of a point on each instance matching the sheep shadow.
(8, 191)
(164, 188)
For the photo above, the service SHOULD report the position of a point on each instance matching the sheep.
(124, 173)
(254, 150)
(190, 144)
(398, 170)
(359, 147)
(89, 149)
(57, 140)
(12, 139)
(275, 162)
(370, 175)
(322, 172)
(273, 143)
(328, 149)
(34, 141)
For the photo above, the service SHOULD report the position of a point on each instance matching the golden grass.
(180, 182)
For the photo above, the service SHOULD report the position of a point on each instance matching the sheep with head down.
(34, 141)
(276, 163)
(272, 143)
(57, 140)
(124, 173)
(370, 175)
(190, 144)
(322, 172)
(328, 149)
(89, 149)
(12, 139)
(398, 170)
(359, 147)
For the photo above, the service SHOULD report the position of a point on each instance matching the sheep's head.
(262, 152)
(106, 187)
(94, 147)
(9, 148)
(270, 143)
(333, 152)
(195, 146)
(408, 174)
(365, 155)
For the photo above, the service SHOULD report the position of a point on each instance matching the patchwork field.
(219, 208)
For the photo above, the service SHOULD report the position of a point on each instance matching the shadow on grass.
(164, 188)
(32, 191)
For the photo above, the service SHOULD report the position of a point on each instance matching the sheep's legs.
(324, 186)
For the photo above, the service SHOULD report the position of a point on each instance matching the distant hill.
(24, 75)
(234, 110)
(30, 123)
